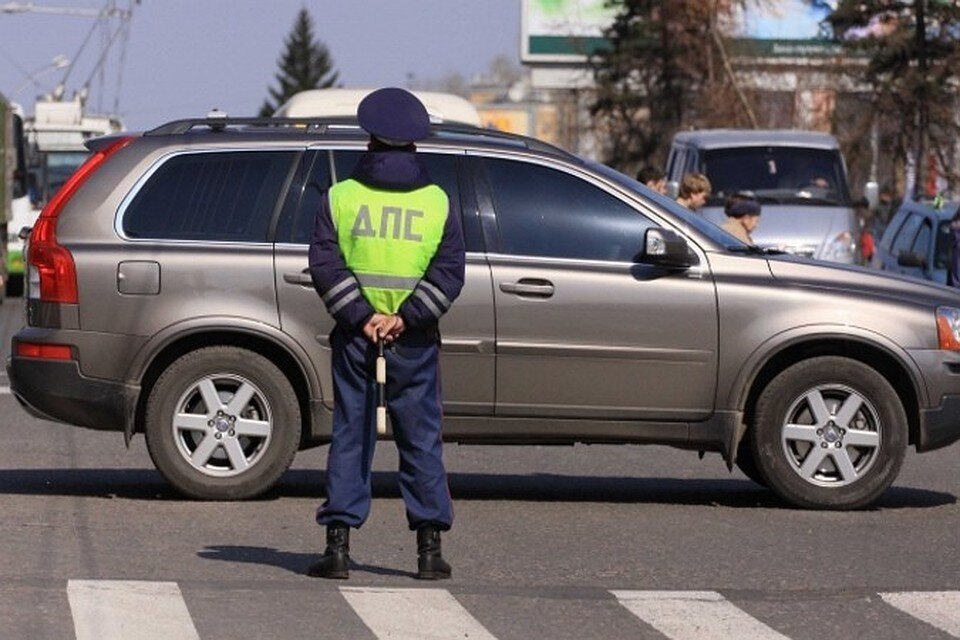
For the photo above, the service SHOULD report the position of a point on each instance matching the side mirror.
(665, 248)
(909, 259)
(673, 189)
(871, 191)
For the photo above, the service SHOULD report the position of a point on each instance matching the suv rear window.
(226, 196)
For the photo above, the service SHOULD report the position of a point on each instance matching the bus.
(14, 198)
(53, 142)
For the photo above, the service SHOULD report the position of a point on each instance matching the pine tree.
(666, 69)
(913, 71)
(304, 64)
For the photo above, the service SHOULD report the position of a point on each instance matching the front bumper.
(939, 426)
(56, 390)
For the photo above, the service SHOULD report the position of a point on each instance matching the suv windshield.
(778, 175)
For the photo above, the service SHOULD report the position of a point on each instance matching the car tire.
(829, 433)
(222, 423)
(748, 464)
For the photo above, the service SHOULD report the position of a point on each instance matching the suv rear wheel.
(222, 423)
(829, 433)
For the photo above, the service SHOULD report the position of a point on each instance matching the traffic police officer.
(387, 259)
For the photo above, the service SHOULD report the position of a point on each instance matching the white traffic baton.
(381, 389)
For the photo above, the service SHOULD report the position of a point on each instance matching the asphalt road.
(549, 542)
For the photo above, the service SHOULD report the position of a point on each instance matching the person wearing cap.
(743, 217)
(387, 260)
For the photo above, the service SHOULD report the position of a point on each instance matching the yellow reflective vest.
(388, 237)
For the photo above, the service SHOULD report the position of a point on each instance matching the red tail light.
(52, 263)
(44, 351)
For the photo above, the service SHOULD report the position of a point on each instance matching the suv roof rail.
(219, 123)
(324, 124)
(533, 144)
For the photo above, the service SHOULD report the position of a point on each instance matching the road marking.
(129, 610)
(693, 615)
(938, 608)
(4, 389)
(414, 614)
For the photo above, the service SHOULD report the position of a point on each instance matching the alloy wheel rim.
(831, 435)
(222, 424)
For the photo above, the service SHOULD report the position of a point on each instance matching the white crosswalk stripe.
(938, 608)
(138, 610)
(693, 615)
(414, 614)
(129, 610)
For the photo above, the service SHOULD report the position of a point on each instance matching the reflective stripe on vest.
(388, 237)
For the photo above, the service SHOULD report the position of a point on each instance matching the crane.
(28, 7)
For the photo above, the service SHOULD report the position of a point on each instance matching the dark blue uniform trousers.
(413, 403)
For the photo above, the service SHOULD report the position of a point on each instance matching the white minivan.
(443, 108)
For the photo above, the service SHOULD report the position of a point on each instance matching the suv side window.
(891, 231)
(299, 212)
(549, 213)
(225, 196)
(908, 232)
(944, 242)
(921, 246)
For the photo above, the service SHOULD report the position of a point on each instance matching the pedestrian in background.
(694, 191)
(387, 259)
(866, 219)
(743, 217)
(953, 269)
(653, 178)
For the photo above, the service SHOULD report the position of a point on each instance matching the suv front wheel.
(222, 423)
(829, 433)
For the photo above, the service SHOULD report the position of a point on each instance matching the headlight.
(841, 249)
(948, 328)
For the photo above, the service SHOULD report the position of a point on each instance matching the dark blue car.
(917, 241)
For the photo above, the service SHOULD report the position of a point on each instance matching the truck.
(799, 178)
(13, 186)
(54, 144)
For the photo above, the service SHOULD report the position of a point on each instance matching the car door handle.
(529, 287)
(302, 278)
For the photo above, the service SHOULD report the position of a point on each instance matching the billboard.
(568, 31)
(786, 28)
(563, 30)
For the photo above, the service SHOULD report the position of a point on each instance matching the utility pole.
(923, 117)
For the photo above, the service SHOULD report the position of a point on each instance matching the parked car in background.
(169, 295)
(442, 108)
(916, 242)
(799, 177)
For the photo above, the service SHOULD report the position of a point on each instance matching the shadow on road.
(294, 562)
(147, 484)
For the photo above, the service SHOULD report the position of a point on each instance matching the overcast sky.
(184, 57)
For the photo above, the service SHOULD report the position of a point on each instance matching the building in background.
(783, 54)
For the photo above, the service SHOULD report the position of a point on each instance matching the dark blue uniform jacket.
(393, 170)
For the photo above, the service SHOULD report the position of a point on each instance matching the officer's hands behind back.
(387, 327)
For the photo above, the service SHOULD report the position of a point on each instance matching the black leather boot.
(430, 564)
(336, 558)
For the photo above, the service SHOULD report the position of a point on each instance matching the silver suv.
(168, 294)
